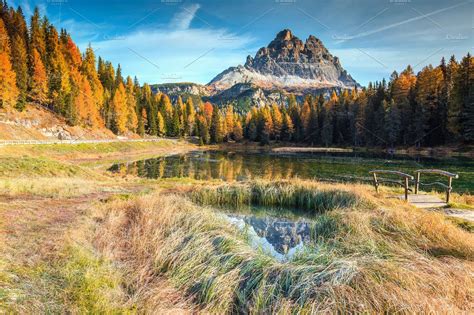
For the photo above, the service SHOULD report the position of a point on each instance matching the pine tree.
(287, 128)
(148, 104)
(359, 122)
(252, 130)
(39, 82)
(19, 59)
(327, 129)
(58, 80)
(312, 132)
(465, 86)
(37, 36)
(454, 100)
(118, 76)
(392, 122)
(216, 127)
(175, 126)
(428, 85)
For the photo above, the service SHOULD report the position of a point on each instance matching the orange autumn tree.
(119, 110)
(88, 69)
(8, 89)
(208, 109)
(229, 122)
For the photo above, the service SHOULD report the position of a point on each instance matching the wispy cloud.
(182, 20)
(393, 25)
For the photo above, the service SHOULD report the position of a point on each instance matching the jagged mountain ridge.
(288, 63)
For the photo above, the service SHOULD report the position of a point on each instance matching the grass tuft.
(282, 194)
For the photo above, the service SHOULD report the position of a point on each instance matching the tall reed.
(283, 194)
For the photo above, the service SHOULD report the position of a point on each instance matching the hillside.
(37, 123)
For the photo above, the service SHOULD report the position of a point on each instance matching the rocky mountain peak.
(286, 34)
(288, 62)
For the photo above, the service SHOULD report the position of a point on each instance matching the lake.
(337, 167)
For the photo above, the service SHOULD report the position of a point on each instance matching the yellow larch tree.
(132, 119)
(119, 110)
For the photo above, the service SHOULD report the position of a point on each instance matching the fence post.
(417, 183)
(406, 188)
(448, 190)
(375, 183)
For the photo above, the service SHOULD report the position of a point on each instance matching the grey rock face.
(288, 55)
(288, 62)
(174, 89)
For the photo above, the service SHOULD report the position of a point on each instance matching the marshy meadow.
(110, 239)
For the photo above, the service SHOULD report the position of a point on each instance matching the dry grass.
(294, 194)
(385, 258)
(47, 263)
(47, 187)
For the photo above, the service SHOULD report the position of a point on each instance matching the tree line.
(40, 65)
(433, 107)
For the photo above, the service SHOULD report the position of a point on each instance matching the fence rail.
(407, 178)
(405, 183)
(448, 187)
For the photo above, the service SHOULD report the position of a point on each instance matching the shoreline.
(441, 152)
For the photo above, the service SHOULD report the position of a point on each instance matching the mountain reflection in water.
(279, 237)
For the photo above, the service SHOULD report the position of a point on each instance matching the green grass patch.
(92, 148)
(27, 166)
(91, 283)
(463, 224)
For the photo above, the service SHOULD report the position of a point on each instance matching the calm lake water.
(339, 167)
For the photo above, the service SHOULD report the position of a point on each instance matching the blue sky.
(177, 40)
